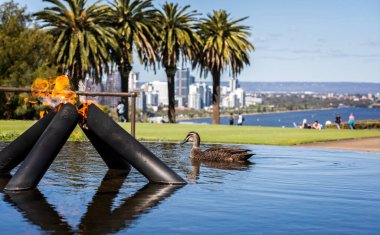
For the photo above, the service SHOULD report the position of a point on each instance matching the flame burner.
(17, 151)
(41, 143)
(45, 150)
(127, 148)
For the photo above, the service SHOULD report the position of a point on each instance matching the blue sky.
(298, 40)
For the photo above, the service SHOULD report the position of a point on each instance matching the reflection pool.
(283, 190)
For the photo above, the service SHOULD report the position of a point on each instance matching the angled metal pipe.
(17, 150)
(45, 150)
(129, 148)
(112, 158)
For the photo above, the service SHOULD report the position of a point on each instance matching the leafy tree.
(225, 45)
(24, 51)
(81, 38)
(24, 55)
(133, 21)
(177, 41)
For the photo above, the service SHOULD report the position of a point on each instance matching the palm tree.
(133, 21)
(177, 41)
(81, 40)
(225, 45)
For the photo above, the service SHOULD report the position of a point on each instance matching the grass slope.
(10, 129)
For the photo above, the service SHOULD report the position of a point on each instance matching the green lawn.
(211, 133)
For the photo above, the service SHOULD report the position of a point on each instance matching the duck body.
(218, 153)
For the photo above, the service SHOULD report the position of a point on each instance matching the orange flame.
(43, 113)
(27, 100)
(83, 111)
(54, 90)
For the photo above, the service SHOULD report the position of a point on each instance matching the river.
(287, 119)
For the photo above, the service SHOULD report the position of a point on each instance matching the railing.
(133, 96)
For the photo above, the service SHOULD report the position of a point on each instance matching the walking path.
(365, 144)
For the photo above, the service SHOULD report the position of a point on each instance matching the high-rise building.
(141, 102)
(195, 101)
(151, 99)
(132, 80)
(112, 84)
(199, 95)
(234, 84)
(158, 88)
(89, 85)
(232, 100)
(240, 95)
(182, 82)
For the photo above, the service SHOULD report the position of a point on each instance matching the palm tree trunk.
(215, 97)
(124, 70)
(170, 73)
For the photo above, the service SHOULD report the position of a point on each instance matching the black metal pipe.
(45, 150)
(4, 179)
(129, 148)
(112, 158)
(17, 150)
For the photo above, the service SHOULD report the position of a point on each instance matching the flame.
(27, 100)
(53, 91)
(83, 111)
(42, 113)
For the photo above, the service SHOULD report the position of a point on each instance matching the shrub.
(359, 124)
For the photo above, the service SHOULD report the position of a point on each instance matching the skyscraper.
(199, 95)
(132, 80)
(234, 84)
(113, 84)
(182, 82)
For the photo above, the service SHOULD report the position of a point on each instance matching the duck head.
(194, 137)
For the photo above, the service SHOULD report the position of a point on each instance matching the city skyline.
(311, 41)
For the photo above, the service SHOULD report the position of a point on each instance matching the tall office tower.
(132, 80)
(199, 95)
(195, 101)
(232, 100)
(152, 99)
(182, 83)
(141, 102)
(234, 84)
(160, 88)
(191, 80)
(206, 94)
(240, 95)
(112, 84)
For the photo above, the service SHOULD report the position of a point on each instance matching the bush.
(360, 124)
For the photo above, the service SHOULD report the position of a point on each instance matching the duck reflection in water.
(230, 166)
(99, 218)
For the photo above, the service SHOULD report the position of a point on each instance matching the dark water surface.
(285, 190)
(287, 119)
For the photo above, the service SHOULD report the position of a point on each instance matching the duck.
(219, 154)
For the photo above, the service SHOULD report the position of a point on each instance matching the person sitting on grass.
(338, 120)
(317, 125)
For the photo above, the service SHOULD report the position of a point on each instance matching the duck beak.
(185, 140)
